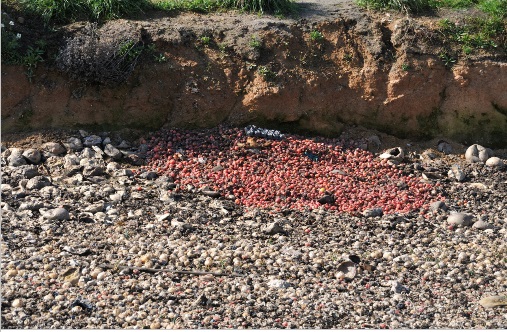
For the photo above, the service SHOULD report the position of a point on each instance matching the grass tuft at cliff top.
(496, 8)
(66, 11)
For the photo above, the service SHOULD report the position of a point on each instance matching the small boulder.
(112, 152)
(37, 182)
(495, 162)
(444, 147)
(273, 228)
(438, 205)
(53, 149)
(92, 140)
(15, 158)
(375, 212)
(477, 153)
(73, 144)
(57, 214)
(32, 155)
(460, 219)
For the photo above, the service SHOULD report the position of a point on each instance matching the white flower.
(11, 23)
(18, 36)
(3, 26)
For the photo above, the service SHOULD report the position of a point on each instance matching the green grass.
(65, 11)
(206, 6)
(496, 8)
(410, 6)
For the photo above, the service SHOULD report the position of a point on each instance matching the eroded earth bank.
(329, 66)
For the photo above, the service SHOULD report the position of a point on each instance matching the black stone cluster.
(255, 131)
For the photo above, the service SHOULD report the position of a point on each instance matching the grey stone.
(32, 155)
(112, 152)
(444, 147)
(73, 144)
(374, 142)
(70, 160)
(278, 283)
(398, 288)
(438, 205)
(15, 157)
(94, 208)
(134, 159)
(53, 148)
(25, 171)
(460, 219)
(93, 170)
(375, 212)
(87, 153)
(113, 166)
(273, 228)
(31, 205)
(211, 193)
(37, 182)
(98, 152)
(150, 176)
(92, 140)
(57, 214)
(72, 170)
(482, 224)
(183, 225)
(456, 173)
(124, 145)
(495, 162)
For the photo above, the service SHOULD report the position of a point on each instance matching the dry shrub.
(106, 56)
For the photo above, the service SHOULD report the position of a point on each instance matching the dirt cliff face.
(378, 72)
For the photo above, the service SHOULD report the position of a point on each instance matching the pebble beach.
(230, 228)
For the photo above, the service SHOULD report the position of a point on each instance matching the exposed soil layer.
(381, 71)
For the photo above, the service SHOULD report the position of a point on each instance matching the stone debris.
(63, 221)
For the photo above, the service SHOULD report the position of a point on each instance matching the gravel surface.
(86, 231)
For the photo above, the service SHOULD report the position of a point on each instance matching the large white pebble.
(17, 303)
(495, 162)
(460, 219)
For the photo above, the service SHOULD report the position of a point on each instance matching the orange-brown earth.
(380, 71)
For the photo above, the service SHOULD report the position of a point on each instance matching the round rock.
(32, 155)
(477, 153)
(92, 140)
(112, 152)
(495, 162)
(16, 158)
(73, 144)
(57, 214)
(53, 148)
(460, 219)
